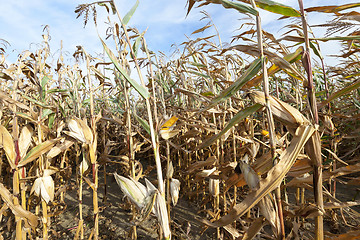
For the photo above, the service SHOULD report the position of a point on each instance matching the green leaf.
(137, 44)
(142, 122)
(278, 8)
(51, 120)
(37, 102)
(238, 117)
(57, 90)
(130, 13)
(199, 74)
(46, 112)
(44, 81)
(140, 89)
(346, 38)
(253, 69)
(240, 7)
(340, 93)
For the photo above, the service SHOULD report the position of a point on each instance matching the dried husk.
(174, 190)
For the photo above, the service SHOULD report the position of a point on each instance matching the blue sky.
(22, 23)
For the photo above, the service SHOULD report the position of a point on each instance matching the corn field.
(258, 140)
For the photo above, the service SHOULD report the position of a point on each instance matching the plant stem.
(148, 107)
(313, 146)
(271, 125)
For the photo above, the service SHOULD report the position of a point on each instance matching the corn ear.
(174, 190)
(251, 178)
(214, 187)
(162, 215)
(135, 191)
(44, 187)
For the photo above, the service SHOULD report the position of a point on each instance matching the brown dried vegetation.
(259, 137)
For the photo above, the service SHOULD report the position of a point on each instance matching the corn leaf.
(9, 101)
(238, 117)
(7, 142)
(340, 93)
(273, 179)
(25, 139)
(140, 89)
(291, 58)
(253, 69)
(240, 7)
(37, 151)
(142, 122)
(278, 8)
(128, 16)
(7, 197)
(331, 9)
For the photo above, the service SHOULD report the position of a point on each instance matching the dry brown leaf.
(25, 139)
(268, 209)
(301, 166)
(59, 148)
(7, 142)
(30, 219)
(282, 111)
(254, 228)
(273, 179)
(232, 231)
(10, 102)
(352, 235)
(326, 175)
(200, 164)
(332, 205)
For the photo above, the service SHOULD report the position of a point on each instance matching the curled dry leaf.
(30, 219)
(206, 173)
(273, 179)
(59, 148)
(7, 142)
(25, 139)
(285, 113)
(268, 209)
(200, 164)
(254, 228)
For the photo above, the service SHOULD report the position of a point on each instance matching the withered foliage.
(197, 125)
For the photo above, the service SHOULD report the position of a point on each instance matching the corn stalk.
(313, 147)
(270, 119)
